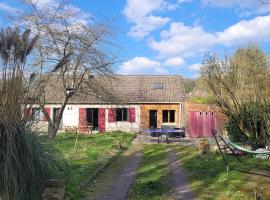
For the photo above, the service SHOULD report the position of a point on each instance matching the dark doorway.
(92, 118)
(55, 113)
(153, 118)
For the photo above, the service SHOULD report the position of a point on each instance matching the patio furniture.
(70, 128)
(166, 133)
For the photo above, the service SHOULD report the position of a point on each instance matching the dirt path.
(182, 189)
(119, 189)
(117, 181)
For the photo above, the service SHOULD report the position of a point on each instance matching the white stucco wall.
(71, 117)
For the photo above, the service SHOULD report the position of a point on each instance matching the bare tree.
(71, 47)
(240, 86)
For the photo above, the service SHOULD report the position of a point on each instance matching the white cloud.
(195, 67)
(251, 6)
(174, 62)
(147, 25)
(140, 14)
(141, 65)
(256, 29)
(6, 8)
(186, 41)
(181, 39)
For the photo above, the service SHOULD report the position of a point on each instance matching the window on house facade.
(168, 116)
(37, 114)
(121, 114)
(158, 86)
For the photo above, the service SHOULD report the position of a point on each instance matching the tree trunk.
(51, 131)
(53, 126)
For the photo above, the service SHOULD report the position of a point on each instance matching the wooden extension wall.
(144, 124)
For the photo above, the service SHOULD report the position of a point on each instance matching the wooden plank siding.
(144, 124)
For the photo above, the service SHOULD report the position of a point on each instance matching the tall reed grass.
(25, 163)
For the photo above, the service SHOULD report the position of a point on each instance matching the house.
(137, 102)
(132, 103)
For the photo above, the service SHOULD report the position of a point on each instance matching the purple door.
(192, 124)
(212, 123)
(201, 124)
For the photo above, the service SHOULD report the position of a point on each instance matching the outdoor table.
(167, 132)
(181, 133)
(157, 132)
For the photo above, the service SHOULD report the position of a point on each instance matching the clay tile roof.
(124, 89)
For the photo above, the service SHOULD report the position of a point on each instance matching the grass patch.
(209, 179)
(91, 153)
(153, 180)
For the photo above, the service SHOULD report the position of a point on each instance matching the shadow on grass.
(209, 178)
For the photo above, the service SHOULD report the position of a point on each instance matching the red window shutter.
(48, 111)
(111, 115)
(131, 115)
(101, 119)
(82, 119)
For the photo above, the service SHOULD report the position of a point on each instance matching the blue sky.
(172, 36)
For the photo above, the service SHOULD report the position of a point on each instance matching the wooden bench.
(80, 129)
(70, 128)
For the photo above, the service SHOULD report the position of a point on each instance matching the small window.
(168, 116)
(37, 114)
(121, 114)
(158, 86)
(165, 116)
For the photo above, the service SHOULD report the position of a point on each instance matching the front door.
(92, 117)
(152, 118)
(55, 113)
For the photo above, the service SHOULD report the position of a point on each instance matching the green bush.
(256, 122)
(234, 132)
(203, 100)
(250, 124)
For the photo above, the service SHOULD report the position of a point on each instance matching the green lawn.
(153, 180)
(209, 180)
(91, 153)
